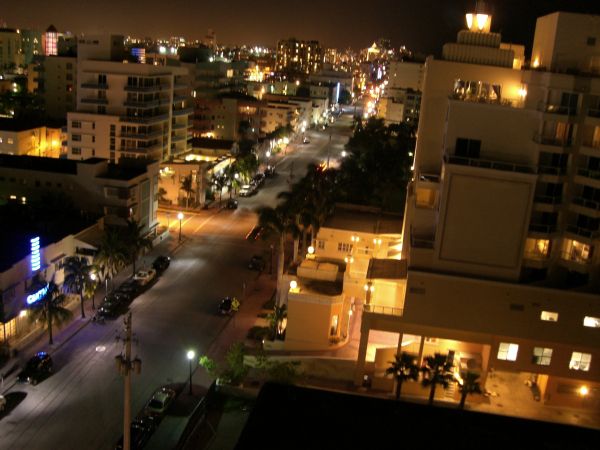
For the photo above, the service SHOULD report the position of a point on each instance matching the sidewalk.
(37, 340)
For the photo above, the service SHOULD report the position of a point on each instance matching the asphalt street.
(80, 406)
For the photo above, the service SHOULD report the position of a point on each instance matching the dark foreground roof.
(288, 417)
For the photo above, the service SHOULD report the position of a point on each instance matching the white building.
(127, 109)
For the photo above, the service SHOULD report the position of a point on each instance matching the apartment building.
(401, 101)
(127, 110)
(298, 58)
(501, 217)
(10, 49)
(56, 79)
(229, 116)
(114, 191)
(20, 138)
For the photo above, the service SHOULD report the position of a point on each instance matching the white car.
(160, 401)
(2, 403)
(144, 277)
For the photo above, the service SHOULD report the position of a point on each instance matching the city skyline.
(335, 24)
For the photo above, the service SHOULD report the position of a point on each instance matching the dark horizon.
(339, 24)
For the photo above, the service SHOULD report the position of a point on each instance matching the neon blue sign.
(36, 261)
(38, 295)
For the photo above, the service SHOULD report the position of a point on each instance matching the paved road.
(80, 406)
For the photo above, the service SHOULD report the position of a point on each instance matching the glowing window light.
(481, 21)
(35, 254)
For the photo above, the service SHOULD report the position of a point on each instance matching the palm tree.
(49, 310)
(278, 220)
(436, 370)
(219, 181)
(77, 274)
(111, 254)
(470, 385)
(404, 367)
(188, 188)
(134, 241)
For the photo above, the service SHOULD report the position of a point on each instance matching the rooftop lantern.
(480, 20)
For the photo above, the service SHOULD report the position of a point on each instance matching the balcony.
(536, 260)
(553, 108)
(151, 135)
(552, 141)
(542, 228)
(552, 170)
(142, 104)
(590, 204)
(484, 100)
(575, 261)
(588, 173)
(176, 138)
(141, 150)
(489, 164)
(594, 112)
(183, 111)
(385, 310)
(95, 101)
(583, 232)
(102, 86)
(153, 88)
(547, 200)
(145, 119)
(181, 126)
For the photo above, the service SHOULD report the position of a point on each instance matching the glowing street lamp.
(180, 217)
(191, 354)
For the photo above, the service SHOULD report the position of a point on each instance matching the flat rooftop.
(387, 269)
(364, 219)
(43, 164)
(307, 418)
(215, 144)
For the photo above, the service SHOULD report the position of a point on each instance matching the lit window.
(508, 351)
(576, 251)
(542, 356)
(537, 248)
(549, 316)
(10, 141)
(592, 322)
(580, 361)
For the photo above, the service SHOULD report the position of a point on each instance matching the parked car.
(161, 263)
(257, 262)
(143, 277)
(111, 307)
(305, 140)
(160, 401)
(131, 288)
(2, 403)
(141, 431)
(246, 190)
(37, 368)
(229, 305)
(269, 171)
(258, 179)
(231, 204)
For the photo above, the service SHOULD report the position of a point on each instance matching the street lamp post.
(93, 277)
(180, 217)
(191, 354)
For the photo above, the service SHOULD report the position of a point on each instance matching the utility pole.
(125, 365)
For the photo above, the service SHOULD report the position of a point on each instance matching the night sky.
(422, 26)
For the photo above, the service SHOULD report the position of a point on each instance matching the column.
(362, 354)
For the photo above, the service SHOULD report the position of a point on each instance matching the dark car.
(112, 306)
(269, 171)
(161, 263)
(257, 262)
(36, 369)
(130, 288)
(141, 431)
(258, 179)
(229, 305)
(231, 204)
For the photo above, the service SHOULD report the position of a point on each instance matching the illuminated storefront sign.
(37, 295)
(35, 254)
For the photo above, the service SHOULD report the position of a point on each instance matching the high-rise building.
(501, 229)
(127, 109)
(51, 41)
(10, 48)
(298, 58)
(56, 78)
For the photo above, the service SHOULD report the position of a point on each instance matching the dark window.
(591, 41)
(468, 148)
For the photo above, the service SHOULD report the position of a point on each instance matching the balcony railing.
(557, 109)
(536, 256)
(593, 112)
(572, 256)
(551, 170)
(542, 228)
(485, 100)
(547, 199)
(183, 111)
(593, 174)
(94, 85)
(142, 104)
(150, 135)
(155, 87)
(489, 164)
(422, 242)
(551, 140)
(145, 119)
(591, 204)
(95, 101)
(387, 310)
(583, 232)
